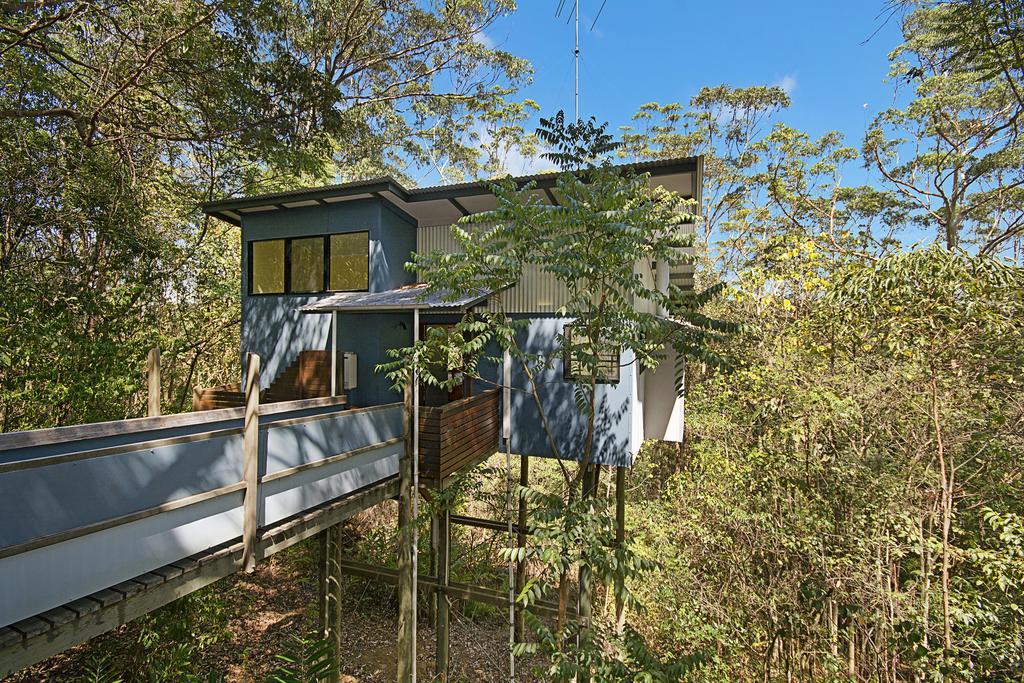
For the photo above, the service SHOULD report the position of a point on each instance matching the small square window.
(576, 367)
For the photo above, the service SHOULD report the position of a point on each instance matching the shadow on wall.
(567, 422)
(273, 327)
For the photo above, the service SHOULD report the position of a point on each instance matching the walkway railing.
(87, 507)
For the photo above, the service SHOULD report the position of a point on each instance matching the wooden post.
(585, 603)
(524, 480)
(435, 531)
(153, 381)
(332, 602)
(322, 571)
(250, 467)
(443, 579)
(620, 537)
(406, 598)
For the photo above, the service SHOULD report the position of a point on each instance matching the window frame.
(326, 280)
(567, 374)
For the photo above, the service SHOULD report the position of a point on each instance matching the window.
(350, 261)
(576, 366)
(307, 265)
(266, 259)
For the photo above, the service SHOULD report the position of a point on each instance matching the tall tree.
(955, 148)
(723, 124)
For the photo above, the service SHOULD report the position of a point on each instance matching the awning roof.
(444, 204)
(405, 298)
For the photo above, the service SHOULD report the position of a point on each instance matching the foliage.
(310, 662)
(954, 151)
(171, 637)
(118, 118)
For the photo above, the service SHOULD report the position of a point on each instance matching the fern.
(311, 661)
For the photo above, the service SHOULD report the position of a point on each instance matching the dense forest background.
(849, 500)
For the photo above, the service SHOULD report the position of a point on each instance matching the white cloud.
(787, 83)
(517, 163)
(484, 39)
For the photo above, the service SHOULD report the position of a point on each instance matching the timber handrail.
(461, 403)
(98, 430)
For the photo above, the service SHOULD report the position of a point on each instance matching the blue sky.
(830, 55)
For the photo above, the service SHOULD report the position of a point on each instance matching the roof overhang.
(445, 204)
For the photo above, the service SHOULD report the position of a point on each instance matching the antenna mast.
(576, 54)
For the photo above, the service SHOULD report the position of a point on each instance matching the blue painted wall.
(369, 335)
(271, 323)
(567, 423)
(615, 409)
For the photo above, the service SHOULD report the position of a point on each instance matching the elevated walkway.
(105, 522)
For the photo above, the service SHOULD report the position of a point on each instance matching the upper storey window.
(308, 265)
(350, 262)
(266, 259)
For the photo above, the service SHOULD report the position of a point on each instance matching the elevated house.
(102, 523)
(325, 294)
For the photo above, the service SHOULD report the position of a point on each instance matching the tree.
(723, 124)
(603, 226)
(954, 150)
(118, 118)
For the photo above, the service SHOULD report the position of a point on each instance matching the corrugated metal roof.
(226, 208)
(401, 299)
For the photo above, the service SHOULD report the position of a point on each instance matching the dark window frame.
(326, 238)
(567, 374)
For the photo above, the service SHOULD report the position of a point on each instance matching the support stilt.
(322, 569)
(432, 564)
(620, 536)
(444, 527)
(406, 598)
(332, 597)
(524, 480)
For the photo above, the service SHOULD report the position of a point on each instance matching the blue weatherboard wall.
(271, 324)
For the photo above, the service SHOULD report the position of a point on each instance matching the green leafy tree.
(954, 150)
(118, 118)
(592, 241)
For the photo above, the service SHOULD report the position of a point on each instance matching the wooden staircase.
(309, 376)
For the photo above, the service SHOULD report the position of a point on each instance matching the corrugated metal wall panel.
(538, 292)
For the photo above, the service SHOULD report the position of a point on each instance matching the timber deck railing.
(458, 435)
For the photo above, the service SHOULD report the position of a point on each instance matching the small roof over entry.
(408, 298)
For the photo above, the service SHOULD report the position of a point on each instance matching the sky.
(829, 55)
